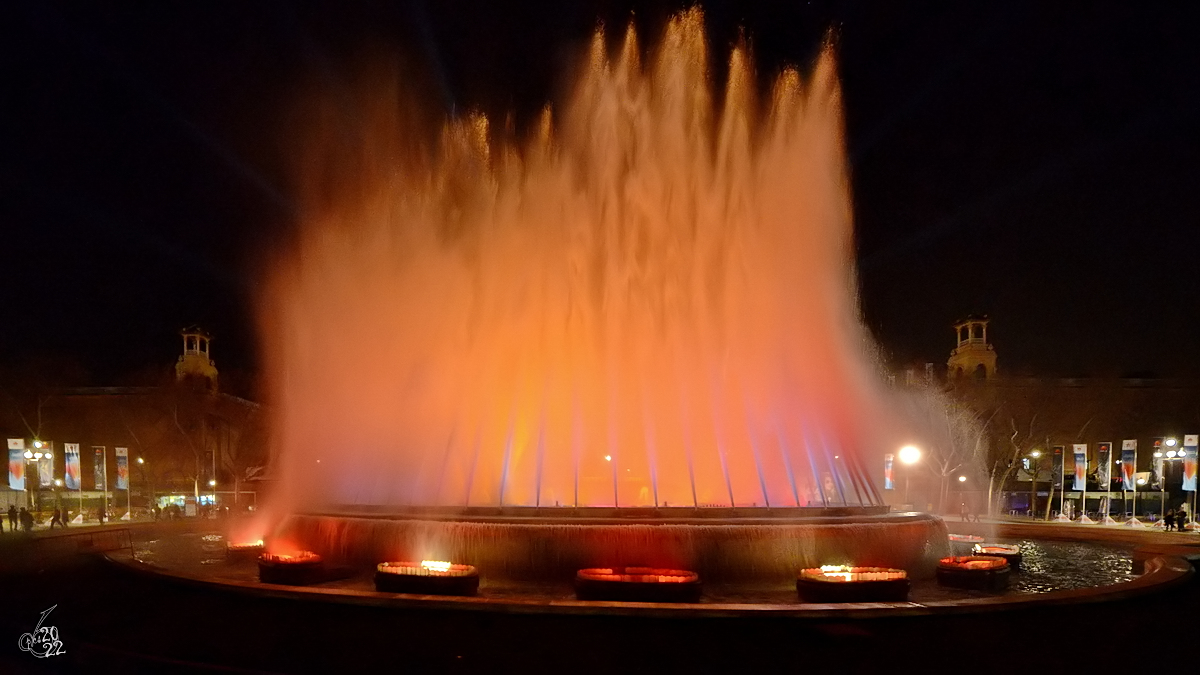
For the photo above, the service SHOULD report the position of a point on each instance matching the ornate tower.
(195, 362)
(973, 357)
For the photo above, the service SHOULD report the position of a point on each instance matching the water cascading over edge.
(650, 302)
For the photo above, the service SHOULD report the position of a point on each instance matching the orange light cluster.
(970, 562)
(426, 568)
(245, 546)
(292, 558)
(970, 538)
(845, 573)
(985, 550)
(639, 575)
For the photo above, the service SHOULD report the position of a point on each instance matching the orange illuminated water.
(650, 302)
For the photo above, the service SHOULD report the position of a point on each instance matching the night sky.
(1033, 161)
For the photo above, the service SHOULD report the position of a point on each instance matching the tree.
(951, 435)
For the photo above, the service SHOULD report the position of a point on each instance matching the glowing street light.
(962, 479)
(1171, 442)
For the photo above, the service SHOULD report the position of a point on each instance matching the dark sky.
(1033, 161)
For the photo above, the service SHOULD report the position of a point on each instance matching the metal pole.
(104, 464)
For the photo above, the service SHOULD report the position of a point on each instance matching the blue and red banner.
(1104, 466)
(1189, 462)
(1080, 466)
(888, 478)
(16, 463)
(122, 468)
(71, 466)
(99, 468)
(1128, 464)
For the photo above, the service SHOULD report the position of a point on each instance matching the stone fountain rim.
(607, 516)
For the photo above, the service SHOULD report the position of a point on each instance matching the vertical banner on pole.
(1189, 462)
(1080, 466)
(46, 471)
(71, 466)
(1104, 479)
(1159, 461)
(98, 468)
(16, 463)
(1104, 466)
(122, 468)
(1128, 464)
(888, 482)
(1057, 467)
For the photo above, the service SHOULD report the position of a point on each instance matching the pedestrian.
(1181, 518)
(66, 515)
(964, 512)
(1169, 519)
(26, 517)
(12, 517)
(57, 518)
(102, 515)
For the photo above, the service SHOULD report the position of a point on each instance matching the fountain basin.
(426, 578)
(637, 584)
(298, 569)
(975, 572)
(842, 583)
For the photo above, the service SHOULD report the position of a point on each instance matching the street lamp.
(1172, 455)
(35, 458)
(909, 454)
(1033, 465)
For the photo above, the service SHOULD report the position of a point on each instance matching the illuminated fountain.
(637, 584)
(429, 577)
(1010, 552)
(297, 568)
(978, 572)
(842, 583)
(629, 339)
(243, 551)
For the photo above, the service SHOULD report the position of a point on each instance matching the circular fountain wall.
(725, 545)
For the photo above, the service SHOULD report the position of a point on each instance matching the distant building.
(974, 357)
(195, 362)
(188, 445)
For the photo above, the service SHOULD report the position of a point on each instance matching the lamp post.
(1171, 456)
(1033, 462)
(909, 455)
(35, 457)
(212, 501)
(141, 465)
